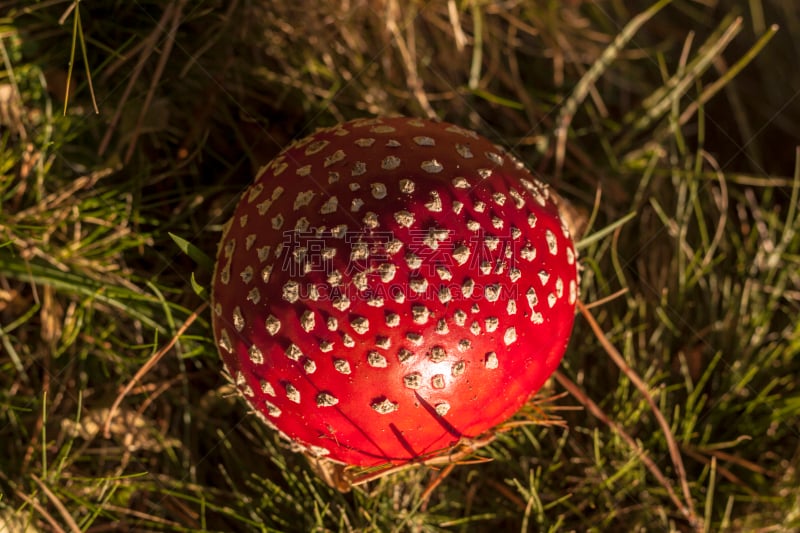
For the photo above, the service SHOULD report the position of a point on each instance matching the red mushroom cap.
(388, 286)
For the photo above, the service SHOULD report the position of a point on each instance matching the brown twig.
(149, 47)
(435, 482)
(595, 409)
(42, 511)
(724, 472)
(606, 299)
(672, 445)
(160, 66)
(154, 359)
(73, 526)
(740, 461)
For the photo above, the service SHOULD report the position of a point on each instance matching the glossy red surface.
(388, 286)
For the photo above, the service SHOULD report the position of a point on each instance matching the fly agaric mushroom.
(389, 287)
